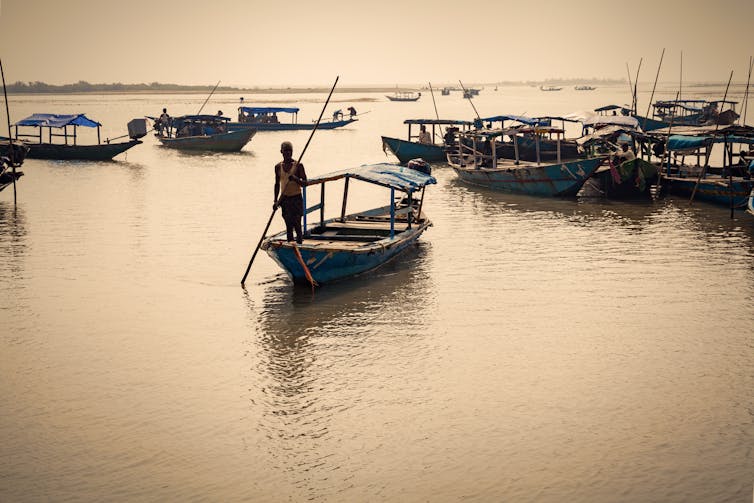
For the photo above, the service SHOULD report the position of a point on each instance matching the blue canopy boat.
(681, 113)
(349, 245)
(475, 161)
(204, 132)
(686, 170)
(266, 119)
(408, 149)
(39, 149)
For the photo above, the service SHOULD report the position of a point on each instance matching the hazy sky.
(309, 42)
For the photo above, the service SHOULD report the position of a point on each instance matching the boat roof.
(267, 110)
(388, 175)
(206, 117)
(609, 107)
(438, 121)
(57, 120)
(519, 118)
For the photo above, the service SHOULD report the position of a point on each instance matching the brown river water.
(528, 349)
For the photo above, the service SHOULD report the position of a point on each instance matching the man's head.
(625, 147)
(286, 148)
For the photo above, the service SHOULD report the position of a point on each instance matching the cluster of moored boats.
(618, 154)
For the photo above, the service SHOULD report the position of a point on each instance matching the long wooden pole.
(658, 188)
(630, 84)
(11, 153)
(680, 79)
(208, 97)
(746, 94)
(653, 89)
(636, 85)
(717, 125)
(469, 98)
(275, 207)
(433, 101)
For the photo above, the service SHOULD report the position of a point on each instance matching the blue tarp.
(679, 142)
(57, 120)
(391, 175)
(268, 110)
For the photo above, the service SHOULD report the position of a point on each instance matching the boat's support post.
(303, 196)
(98, 135)
(411, 208)
(421, 202)
(558, 148)
(536, 142)
(322, 207)
(392, 213)
(494, 152)
(345, 200)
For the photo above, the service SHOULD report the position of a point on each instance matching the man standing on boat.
(351, 112)
(163, 122)
(289, 177)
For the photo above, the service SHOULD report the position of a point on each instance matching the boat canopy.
(531, 121)
(57, 120)
(615, 120)
(201, 118)
(438, 121)
(268, 110)
(392, 176)
(607, 108)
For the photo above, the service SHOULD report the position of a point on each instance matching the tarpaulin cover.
(268, 110)
(57, 120)
(617, 120)
(519, 118)
(391, 175)
(679, 142)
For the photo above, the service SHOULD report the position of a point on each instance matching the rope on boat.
(307, 273)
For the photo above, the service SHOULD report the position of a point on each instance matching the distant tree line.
(83, 86)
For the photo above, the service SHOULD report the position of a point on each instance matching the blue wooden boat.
(266, 119)
(47, 127)
(686, 169)
(475, 161)
(204, 132)
(408, 149)
(349, 245)
(681, 113)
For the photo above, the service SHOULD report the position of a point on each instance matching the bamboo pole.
(275, 207)
(746, 94)
(433, 100)
(469, 98)
(208, 97)
(636, 85)
(11, 153)
(706, 163)
(653, 89)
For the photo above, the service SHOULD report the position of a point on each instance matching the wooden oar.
(208, 97)
(433, 100)
(11, 153)
(277, 203)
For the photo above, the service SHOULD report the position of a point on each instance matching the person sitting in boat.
(185, 130)
(450, 135)
(337, 115)
(424, 137)
(274, 118)
(351, 112)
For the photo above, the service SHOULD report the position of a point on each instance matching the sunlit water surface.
(526, 350)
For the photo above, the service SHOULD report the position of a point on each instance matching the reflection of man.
(289, 176)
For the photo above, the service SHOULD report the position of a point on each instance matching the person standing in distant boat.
(289, 177)
(163, 122)
(351, 112)
(337, 115)
(424, 137)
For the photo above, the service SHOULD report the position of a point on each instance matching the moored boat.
(476, 162)
(411, 148)
(349, 245)
(70, 149)
(266, 119)
(204, 132)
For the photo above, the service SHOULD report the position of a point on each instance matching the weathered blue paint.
(265, 126)
(406, 150)
(712, 189)
(232, 141)
(563, 179)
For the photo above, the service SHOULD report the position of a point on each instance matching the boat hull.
(328, 262)
(101, 152)
(259, 126)
(630, 180)
(232, 141)
(564, 179)
(715, 190)
(7, 178)
(393, 98)
(406, 150)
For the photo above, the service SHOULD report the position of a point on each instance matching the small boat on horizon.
(70, 149)
(350, 245)
(204, 132)
(404, 96)
(550, 88)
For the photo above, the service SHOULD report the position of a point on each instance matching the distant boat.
(475, 162)
(204, 132)
(266, 119)
(584, 88)
(550, 88)
(410, 148)
(69, 149)
(404, 96)
(470, 93)
(349, 245)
